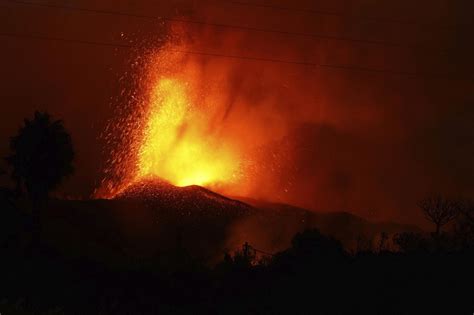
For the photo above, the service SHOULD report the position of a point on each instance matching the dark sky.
(372, 143)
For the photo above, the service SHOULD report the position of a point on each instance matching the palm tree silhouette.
(41, 157)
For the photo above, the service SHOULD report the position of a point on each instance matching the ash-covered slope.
(189, 201)
(151, 218)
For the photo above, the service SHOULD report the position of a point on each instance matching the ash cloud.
(333, 139)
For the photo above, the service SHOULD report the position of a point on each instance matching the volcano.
(152, 217)
(191, 200)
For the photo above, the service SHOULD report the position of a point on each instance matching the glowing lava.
(189, 120)
(176, 144)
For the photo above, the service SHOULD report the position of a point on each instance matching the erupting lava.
(189, 119)
(176, 144)
(173, 130)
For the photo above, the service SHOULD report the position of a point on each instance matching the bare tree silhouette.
(439, 210)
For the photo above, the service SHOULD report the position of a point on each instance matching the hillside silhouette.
(153, 216)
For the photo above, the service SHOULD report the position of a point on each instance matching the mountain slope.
(152, 217)
(278, 222)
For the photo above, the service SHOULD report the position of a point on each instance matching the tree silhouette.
(42, 155)
(312, 245)
(440, 211)
(411, 242)
(383, 242)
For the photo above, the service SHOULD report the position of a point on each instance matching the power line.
(218, 25)
(68, 40)
(250, 58)
(344, 15)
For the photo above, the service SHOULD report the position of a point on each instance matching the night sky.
(370, 142)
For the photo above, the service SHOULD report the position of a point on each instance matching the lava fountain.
(176, 146)
(169, 130)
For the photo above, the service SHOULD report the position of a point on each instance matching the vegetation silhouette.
(464, 226)
(440, 211)
(41, 157)
(308, 249)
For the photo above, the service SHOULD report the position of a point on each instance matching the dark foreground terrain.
(168, 250)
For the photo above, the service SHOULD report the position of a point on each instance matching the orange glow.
(175, 146)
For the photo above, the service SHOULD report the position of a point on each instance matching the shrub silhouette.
(308, 248)
(313, 243)
(410, 242)
(464, 226)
